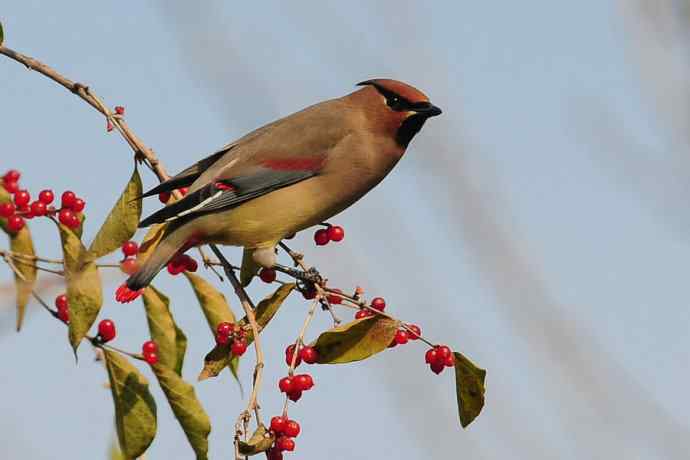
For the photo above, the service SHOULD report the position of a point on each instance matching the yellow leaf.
(260, 441)
(249, 267)
(122, 222)
(83, 286)
(21, 243)
(216, 360)
(357, 340)
(469, 386)
(171, 341)
(135, 409)
(187, 409)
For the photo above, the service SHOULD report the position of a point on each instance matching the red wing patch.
(223, 186)
(294, 164)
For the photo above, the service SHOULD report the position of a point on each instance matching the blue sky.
(539, 225)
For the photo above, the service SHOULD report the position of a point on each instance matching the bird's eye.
(395, 103)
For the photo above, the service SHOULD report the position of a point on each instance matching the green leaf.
(115, 453)
(135, 409)
(260, 441)
(212, 301)
(122, 222)
(469, 385)
(83, 286)
(216, 360)
(171, 341)
(2, 35)
(187, 409)
(357, 340)
(249, 267)
(21, 243)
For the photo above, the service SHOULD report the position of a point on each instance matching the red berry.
(321, 237)
(109, 126)
(21, 198)
(289, 353)
(183, 190)
(63, 314)
(129, 266)
(11, 176)
(106, 330)
(225, 328)
(119, 110)
(46, 197)
(78, 205)
(450, 361)
(285, 444)
(39, 208)
(443, 353)
(151, 358)
(309, 292)
(309, 355)
(335, 299)
(294, 396)
(336, 233)
(61, 302)
(285, 384)
(437, 368)
(15, 223)
(130, 248)
(378, 303)
(74, 221)
(267, 275)
(66, 217)
(278, 424)
(177, 264)
(292, 429)
(11, 186)
(6, 209)
(302, 382)
(415, 332)
(239, 346)
(164, 197)
(431, 356)
(67, 199)
(149, 347)
(401, 337)
(363, 313)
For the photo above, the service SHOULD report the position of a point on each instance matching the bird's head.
(402, 108)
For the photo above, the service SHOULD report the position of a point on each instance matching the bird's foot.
(309, 276)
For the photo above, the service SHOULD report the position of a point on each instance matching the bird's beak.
(427, 109)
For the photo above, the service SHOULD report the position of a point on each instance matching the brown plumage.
(288, 175)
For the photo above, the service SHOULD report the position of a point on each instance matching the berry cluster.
(378, 303)
(295, 385)
(21, 207)
(150, 352)
(306, 353)
(331, 233)
(62, 306)
(106, 330)
(439, 357)
(181, 263)
(284, 430)
(225, 332)
(164, 197)
(129, 264)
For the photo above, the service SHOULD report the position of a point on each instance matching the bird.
(286, 176)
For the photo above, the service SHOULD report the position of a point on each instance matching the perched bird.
(286, 176)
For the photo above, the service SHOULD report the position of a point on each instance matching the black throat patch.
(409, 128)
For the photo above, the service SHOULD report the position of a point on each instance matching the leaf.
(150, 242)
(469, 385)
(171, 341)
(122, 222)
(212, 301)
(135, 409)
(21, 243)
(186, 407)
(357, 340)
(260, 441)
(249, 267)
(2, 35)
(216, 360)
(115, 452)
(83, 287)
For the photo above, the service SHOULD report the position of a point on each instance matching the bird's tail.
(168, 247)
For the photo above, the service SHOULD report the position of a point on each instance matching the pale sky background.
(540, 225)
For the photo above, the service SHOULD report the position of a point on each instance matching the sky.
(539, 225)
